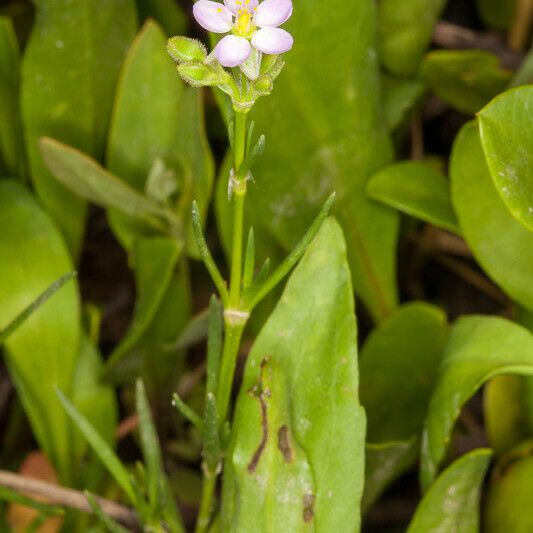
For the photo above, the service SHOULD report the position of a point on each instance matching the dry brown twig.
(50, 493)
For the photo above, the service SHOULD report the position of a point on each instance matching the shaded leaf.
(32, 256)
(86, 39)
(479, 349)
(465, 79)
(452, 502)
(168, 13)
(155, 117)
(400, 96)
(155, 262)
(85, 177)
(307, 352)
(417, 189)
(405, 31)
(497, 13)
(505, 127)
(12, 157)
(508, 503)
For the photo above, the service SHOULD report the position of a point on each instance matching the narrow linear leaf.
(214, 344)
(211, 438)
(100, 447)
(187, 412)
(107, 521)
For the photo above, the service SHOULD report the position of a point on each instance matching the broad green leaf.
(157, 118)
(155, 263)
(168, 13)
(479, 349)
(417, 189)
(405, 31)
(502, 246)
(12, 158)
(42, 352)
(325, 131)
(505, 127)
(6, 331)
(465, 79)
(108, 457)
(508, 413)
(70, 69)
(309, 431)
(508, 502)
(84, 176)
(400, 96)
(452, 502)
(497, 14)
(399, 362)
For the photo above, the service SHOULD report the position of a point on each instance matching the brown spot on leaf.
(309, 504)
(284, 444)
(260, 393)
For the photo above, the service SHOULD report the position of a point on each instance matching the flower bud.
(199, 75)
(264, 85)
(185, 50)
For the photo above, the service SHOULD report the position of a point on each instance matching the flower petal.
(273, 13)
(235, 5)
(272, 41)
(213, 16)
(232, 51)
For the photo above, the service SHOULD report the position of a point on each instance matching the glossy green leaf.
(12, 158)
(405, 31)
(400, 96)
(308, 432)
(417, 189)
(505, 127)
(508, 502)
(465, 79)
(479, 349)
(155, 262)
(497, 13)
(452, 502)
(168, 13)
(508, 413)
(399, 362)
(32, 256)
(85, 177)
(500, 244)
(157, 118)
(86, 39)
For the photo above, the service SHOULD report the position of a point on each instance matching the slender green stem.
(206, 504)
(239, 194)
(233, 333)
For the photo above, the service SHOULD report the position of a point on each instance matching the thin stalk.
(233, 333)
(206, 504)
(239, 194)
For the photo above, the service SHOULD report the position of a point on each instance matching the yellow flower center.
(244, 25)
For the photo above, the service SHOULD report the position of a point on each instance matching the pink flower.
(251, 24)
